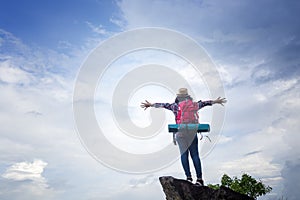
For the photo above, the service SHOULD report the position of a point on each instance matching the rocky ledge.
(178, 189)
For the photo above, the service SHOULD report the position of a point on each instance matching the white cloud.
(143, 182)
(27, 171)
(256, 165)
(25, 180)
(117, 21)
(280, 86)
(10, 74)
(97, 29)
(224, 139)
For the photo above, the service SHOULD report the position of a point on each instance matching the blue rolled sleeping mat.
(173, 128)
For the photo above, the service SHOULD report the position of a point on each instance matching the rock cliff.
(178, 189)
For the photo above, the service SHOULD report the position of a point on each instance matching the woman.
(187, 139)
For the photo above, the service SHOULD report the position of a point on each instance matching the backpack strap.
(174, 138)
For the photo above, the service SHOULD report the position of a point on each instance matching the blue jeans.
(188, 144)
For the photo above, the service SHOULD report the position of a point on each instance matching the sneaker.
(199, 182)
(189, 179)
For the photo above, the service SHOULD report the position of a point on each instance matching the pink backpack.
(187, 112)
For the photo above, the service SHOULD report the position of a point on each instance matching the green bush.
(246, 185)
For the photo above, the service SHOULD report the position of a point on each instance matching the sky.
(44, 48)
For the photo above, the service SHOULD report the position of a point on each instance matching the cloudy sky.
(43, 44)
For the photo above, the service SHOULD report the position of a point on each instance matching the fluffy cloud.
(282, 64)
(97, 29)
(27, 171)
(25, 180)
(9, 74)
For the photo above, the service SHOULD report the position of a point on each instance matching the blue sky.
(255, 47)
(47, 23)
